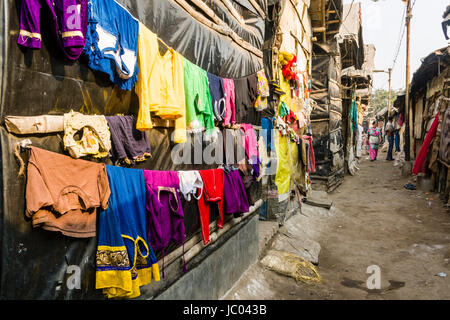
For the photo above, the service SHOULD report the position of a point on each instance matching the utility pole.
(389, 95)
(408, 115)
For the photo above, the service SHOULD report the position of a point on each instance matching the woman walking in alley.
(374, 135)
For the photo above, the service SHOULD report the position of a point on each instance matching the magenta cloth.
(230, 114)
(310, 154)
(234, 195)
(69, 20)
(250, 142)
(165, 217)
(422, 155)
(373, 153)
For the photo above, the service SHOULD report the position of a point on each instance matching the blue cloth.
(391, 146)
(123, 247)
(267, 129)
(354, 115)
(217, 95)
(112, 42)
(397, 141)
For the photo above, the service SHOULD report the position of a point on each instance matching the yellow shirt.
(160, 86)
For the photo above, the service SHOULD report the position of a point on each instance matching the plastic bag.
(291, 265)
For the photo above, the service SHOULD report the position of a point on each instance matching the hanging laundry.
(230, 114)
(419, 164)
(267, 132)
(96, 139)
(283, 174)
(199, 113)
(250, 142)
(218, 96)
(212, 192)
(263, 91)
(129, 145)
(283, 110)
(63, 194)
(112, 42)
(354, 115)
(69, 19)
(125, 259)
(234, 195)
(245, 95)
(286, 87)
(165, 217)
(160, 87)
(190, 183)
(148, 93)
(309, 154)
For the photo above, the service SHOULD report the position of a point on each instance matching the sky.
(382, 26)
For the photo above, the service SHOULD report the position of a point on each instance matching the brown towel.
(63, 194)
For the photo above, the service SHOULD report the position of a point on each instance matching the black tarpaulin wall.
(34, 262)
(326, 118)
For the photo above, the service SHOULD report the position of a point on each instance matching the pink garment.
(250, 142)
(228, 86)
(373, 153)
(310, 155)
(422, 155)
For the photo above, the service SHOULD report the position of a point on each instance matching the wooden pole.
(389, 95)
(408, 115)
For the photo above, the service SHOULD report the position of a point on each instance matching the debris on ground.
(291, 265)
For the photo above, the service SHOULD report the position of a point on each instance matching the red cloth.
(422, 155)
(212, 192)
(311, 156)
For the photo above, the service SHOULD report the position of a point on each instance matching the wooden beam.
(319, 29)
(258, 8)
(217, 24)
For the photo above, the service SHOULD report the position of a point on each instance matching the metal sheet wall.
(34, 262)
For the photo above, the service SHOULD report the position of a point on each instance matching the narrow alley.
(374, 220)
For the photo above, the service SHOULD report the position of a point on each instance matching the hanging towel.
(112, 42)
(129, 145)
(125, 260)
(69, 19)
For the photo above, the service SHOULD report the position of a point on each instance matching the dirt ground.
(376, 221)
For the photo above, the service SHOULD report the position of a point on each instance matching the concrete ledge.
(266, 230)
(216, 269)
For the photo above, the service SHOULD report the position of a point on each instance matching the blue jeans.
(397, 141)
(391, 146)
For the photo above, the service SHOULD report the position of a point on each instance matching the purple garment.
(234, 194)
(164, 210)
(69, 20)
(128, 143)
(165, 217)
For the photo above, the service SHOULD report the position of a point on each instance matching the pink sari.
(373, 147)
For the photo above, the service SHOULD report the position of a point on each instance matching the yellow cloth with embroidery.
(125, 261)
